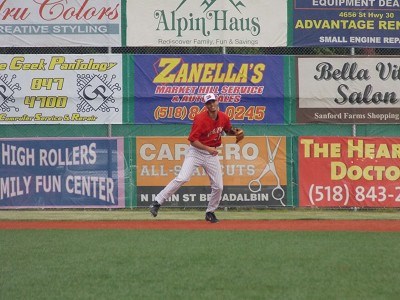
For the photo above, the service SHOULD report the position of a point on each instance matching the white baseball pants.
(211, 165)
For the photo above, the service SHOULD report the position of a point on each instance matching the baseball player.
(204, 137)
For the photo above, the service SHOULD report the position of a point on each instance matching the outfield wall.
(144, 104)
(101, 129)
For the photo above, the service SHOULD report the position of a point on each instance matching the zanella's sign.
(60, 23)
(212, 23)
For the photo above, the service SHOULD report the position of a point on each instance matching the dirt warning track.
(277, 225)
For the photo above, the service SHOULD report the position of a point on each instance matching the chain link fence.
(130, 131)
(202, 50)
(20, 130)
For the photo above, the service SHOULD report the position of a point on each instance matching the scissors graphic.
(255, 185)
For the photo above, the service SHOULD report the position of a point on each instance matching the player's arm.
(237, 132)
(230, 131)
(234, 131)
(199, 145)
(228, 128)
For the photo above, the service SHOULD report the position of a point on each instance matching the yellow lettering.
(338, 170)
(307, 147)
(165, 75)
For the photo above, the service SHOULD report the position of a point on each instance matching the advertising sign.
(170, 89)
(207, 23)
(61, 89)
(349, 172)
(62, 173)
(359, 23)
(348, 90)
(254, 172)
(44, 23)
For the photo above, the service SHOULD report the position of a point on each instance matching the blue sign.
(68, 172)
(170, 88)
(339, 23)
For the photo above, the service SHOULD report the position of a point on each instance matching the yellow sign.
(255, 161)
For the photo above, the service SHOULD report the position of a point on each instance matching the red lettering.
(16, 13)
(58, 9)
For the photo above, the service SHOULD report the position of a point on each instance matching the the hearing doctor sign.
(349, 172)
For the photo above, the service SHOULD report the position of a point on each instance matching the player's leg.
(212, 167)
(188, 167)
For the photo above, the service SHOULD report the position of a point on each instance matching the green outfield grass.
(140, 264)
(184, 264)
(198, 214)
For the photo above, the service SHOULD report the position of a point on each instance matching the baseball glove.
(239, 134)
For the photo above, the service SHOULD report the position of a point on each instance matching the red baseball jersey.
(207, 130)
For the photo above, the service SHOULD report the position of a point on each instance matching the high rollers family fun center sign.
(62, 173)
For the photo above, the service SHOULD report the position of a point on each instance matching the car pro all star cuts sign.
(251, 177)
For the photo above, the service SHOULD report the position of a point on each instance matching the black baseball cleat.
(154, 207)
(210, 217)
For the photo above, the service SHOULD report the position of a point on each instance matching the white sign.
(61, 89)
(349, 82)
(207, 23)
(43, 23)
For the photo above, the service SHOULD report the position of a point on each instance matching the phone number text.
(237, 113)
(342, 195)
